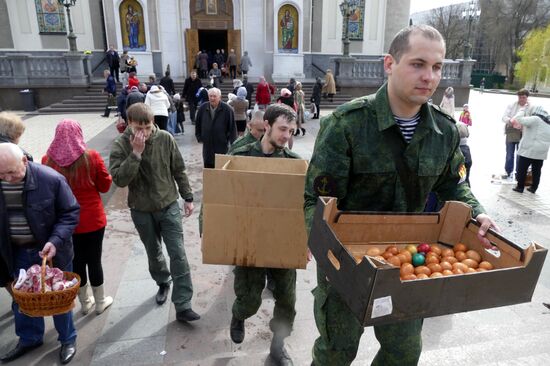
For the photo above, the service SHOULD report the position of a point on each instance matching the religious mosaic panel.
(51, 17)
(356, 20)
(133, 26)
(287, 20)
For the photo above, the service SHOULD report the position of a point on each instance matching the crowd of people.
(54, 209)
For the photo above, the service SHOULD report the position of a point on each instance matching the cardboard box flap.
(261, 165)
(456, 216)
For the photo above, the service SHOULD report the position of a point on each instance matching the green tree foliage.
(534, 55)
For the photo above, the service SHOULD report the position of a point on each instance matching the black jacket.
(168, 84)
(190, 89)
(215, 134)
(316, 95)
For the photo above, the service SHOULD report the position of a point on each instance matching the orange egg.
(394, 261)
(485, 265)
(422, 269)
(481, 270)
(431, 259)
(460, 247)
(451, 260)
(471, 270)
(472, 254)
(446, 265)
(406, 268)
(422, 276)
(435, 267)
(392, 249)
(407, 255)
(402, 258)
(373, 252)
(460, 255)
(409, 277)
(457, 271)
(435, 249)
(436, 274)
(387, 255)
(447, 252)
(447, 272)
(470, 263)
(460, 266)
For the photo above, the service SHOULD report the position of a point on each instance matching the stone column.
(20, 68)
(75, 68)
(466, 67)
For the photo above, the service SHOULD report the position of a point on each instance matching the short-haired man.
(39, 214)
(256, 129)
(513, 135)
(280, 124)
(386, 152)
(148, 161)
(232, 61)
(215, 127)
(190, 88)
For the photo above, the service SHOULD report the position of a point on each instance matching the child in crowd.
(465, 116)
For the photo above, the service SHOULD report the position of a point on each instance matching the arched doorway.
(211, 29)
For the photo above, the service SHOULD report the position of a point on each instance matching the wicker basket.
(47, 303)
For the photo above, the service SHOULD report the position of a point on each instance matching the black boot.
(237, 330)
(278, 353)
(303, 131)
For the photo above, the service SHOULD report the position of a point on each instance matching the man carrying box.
(148, 161)
(386, 152)
(280, 123)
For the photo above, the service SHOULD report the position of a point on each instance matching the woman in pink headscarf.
(87, 176)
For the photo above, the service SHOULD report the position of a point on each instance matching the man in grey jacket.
(513, 135)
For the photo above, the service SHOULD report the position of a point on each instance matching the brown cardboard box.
(373, 290)
(253, 212)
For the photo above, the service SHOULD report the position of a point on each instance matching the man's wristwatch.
(189, 200)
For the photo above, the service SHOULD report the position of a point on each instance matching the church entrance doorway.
(212, 40)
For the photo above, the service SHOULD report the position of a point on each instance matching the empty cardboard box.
(373, 290)
(253, 212)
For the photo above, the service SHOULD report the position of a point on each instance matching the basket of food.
(45, 290)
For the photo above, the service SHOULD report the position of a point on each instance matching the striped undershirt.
(407, 126)
(20, 231)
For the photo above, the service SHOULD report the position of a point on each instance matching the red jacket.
(264, 92)
(133, 81)
(92, 214)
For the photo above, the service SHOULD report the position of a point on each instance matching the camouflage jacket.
(248, 138)
(352, 161)
(255, 149)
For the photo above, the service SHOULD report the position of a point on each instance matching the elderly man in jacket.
(215, 127)
(41, 214)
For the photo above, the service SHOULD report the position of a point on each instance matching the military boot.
(237, 330)
(278, 352)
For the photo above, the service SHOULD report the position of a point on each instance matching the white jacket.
(158, 102)
(535, 141)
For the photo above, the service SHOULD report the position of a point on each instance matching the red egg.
(424, 248)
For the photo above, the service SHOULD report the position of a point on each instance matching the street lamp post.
(72, 38)
(471, 13)
(346, 9)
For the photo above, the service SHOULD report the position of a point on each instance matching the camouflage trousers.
(249, 284)
(340, 332)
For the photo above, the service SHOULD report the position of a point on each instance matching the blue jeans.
(30, 329)
(511, 148)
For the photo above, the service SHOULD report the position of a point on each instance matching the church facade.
(284, 38)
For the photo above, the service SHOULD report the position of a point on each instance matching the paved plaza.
(136, 331)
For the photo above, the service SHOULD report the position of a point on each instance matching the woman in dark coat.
(316, 96)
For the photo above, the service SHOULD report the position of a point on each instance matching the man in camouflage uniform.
(355, 160)
(255, 132)
(280, 123)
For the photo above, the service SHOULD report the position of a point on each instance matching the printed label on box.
(381, 307)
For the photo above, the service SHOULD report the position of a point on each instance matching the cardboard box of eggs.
(390, 267)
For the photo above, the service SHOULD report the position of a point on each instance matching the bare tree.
(448, 21)
(506, 24)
